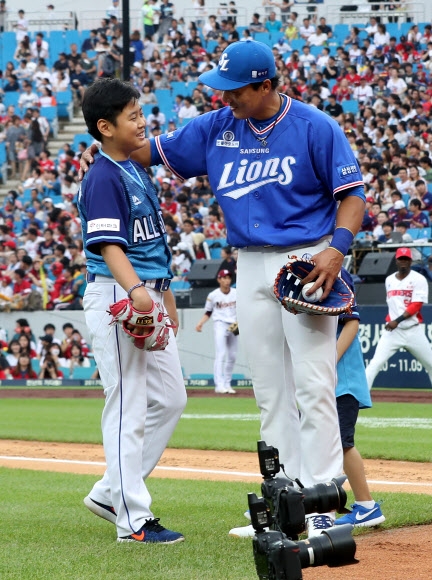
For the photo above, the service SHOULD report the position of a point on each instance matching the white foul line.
(189, 469)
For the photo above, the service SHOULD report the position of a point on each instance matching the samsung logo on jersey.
(347, 170)
(248, 151)
(251, 175)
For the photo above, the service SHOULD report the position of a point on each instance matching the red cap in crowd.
(223, 273)
(403, 253)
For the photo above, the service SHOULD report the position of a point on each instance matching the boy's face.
(127, 135)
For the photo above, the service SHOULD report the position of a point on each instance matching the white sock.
(366, 504)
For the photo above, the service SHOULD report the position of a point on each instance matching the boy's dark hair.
(106, 99)
(388, 223)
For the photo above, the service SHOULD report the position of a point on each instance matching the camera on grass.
(279, 558)
(280, 516)
(290, 505)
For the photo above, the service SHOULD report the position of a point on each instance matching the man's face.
(245, 102)
(403, 174)
(403, 265)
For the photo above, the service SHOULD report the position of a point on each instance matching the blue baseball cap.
(241, 64)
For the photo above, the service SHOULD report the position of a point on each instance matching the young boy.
(352, 394)
(127, 256)
(221, 305)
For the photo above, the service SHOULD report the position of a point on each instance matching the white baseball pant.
(225, 354)
(144, 398)
(412, 339)
(292, 360)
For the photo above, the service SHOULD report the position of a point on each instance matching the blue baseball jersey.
(118, 204)
(351, 375)
(283, 193)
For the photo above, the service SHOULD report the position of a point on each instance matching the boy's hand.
(86, 159)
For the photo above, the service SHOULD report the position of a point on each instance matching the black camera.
(289, 505)
(278, 558)
(49, 365)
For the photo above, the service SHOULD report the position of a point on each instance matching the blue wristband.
(342, 240)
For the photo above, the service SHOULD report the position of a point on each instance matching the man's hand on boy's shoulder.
(87, 158)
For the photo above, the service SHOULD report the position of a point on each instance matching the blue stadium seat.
(263, 37)
(404, 27)
(80, 373)
(393, 29)
(72, 36)
(316, 50)
(57, 43)
(11, 98)
(297, 44)
(65, 104)
(341, 31)
(82, 137)
(211, 45)
(8, 40)
(350, 106)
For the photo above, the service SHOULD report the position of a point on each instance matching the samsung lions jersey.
(283, 193)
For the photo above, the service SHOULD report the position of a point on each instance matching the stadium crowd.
(376, 85)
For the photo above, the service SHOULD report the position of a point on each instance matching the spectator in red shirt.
(214, 228)
(21, 289)
(45, 163)
(23, 370)
(26, 345)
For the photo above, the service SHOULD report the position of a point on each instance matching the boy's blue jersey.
(351, 376)
(118, 206)
(283, 193)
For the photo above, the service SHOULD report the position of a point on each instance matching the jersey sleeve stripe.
(164, 158)
(111, 239)
(347, 186)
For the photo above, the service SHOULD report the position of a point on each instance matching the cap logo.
(223, 62)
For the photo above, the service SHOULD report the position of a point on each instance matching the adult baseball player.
(284, 175)
(406, 292)
(221, 307)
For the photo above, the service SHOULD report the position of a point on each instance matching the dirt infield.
(384, 554)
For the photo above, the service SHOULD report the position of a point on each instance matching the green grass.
(78, 420)
(48, 534)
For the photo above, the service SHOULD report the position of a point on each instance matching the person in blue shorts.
(127, 256)
(288, 184)
(352, 394)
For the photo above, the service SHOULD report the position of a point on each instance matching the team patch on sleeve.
(345, 170)
(103, 224)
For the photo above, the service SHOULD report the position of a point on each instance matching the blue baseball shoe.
(153, 533)
(362, 517)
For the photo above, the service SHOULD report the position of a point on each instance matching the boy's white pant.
(144, 398)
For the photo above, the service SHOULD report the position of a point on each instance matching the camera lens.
(325, 497)
(334, 547)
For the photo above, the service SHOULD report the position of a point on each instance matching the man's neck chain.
(264, 140)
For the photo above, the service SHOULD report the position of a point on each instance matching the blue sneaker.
(362, 517)
(153, 533)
